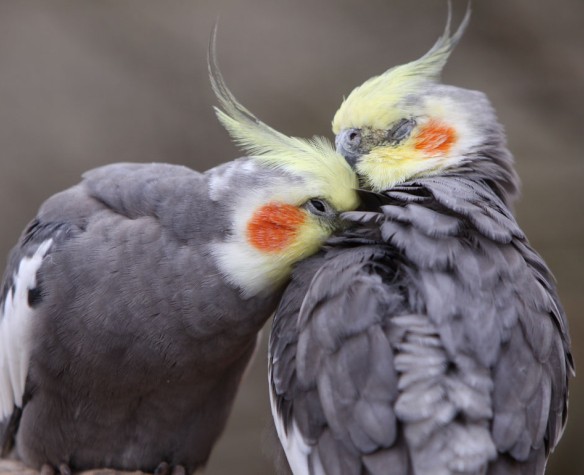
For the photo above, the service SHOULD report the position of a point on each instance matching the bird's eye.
(318, 207)
(401, 131)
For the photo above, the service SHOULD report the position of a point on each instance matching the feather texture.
(383, 354)
(122, 339)
(16, 324)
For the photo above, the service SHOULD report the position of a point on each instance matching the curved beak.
(348, 143)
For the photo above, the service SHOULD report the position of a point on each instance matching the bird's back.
(429, 341)
(123, 359)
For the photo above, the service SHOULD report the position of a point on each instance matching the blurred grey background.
(85, 83)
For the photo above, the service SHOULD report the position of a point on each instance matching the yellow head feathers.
(316, 158)
(374, 103)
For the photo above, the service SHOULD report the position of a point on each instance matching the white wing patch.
(15, 329)
(296, 449)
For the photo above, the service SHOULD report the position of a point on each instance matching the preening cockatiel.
(427, 338)
(131, 304)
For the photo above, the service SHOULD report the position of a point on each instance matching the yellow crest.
(315, 158)
(373, 104)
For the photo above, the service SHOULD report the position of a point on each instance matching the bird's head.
(404, 124)
(290, 193)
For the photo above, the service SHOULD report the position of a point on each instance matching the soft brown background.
(85, 83)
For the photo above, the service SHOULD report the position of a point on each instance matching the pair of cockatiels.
(426, 338)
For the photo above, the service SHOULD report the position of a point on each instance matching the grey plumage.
(138, 342)
(427, 338)
(131, 304)
(123, 295)
(395, 337)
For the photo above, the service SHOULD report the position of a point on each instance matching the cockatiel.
(131, 304)
(427, 338)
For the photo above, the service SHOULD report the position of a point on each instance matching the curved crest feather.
(316, 157)
(372, 102)
(430, 65)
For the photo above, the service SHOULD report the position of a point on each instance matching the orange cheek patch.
(435, 137)
(273, 226)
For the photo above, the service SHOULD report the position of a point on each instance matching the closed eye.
(401, 131)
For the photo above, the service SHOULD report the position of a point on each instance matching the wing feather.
(16, 322)
(336, 406)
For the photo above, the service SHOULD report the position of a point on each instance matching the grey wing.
(531, 374)
(22, 296)
(492, 301)
(60, 218)
(283, 381)
(105, 196)
(332, 374)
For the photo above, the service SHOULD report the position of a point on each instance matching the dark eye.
(401, 131)
(317, 207)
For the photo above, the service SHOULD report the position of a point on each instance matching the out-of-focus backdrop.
(85, 83)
